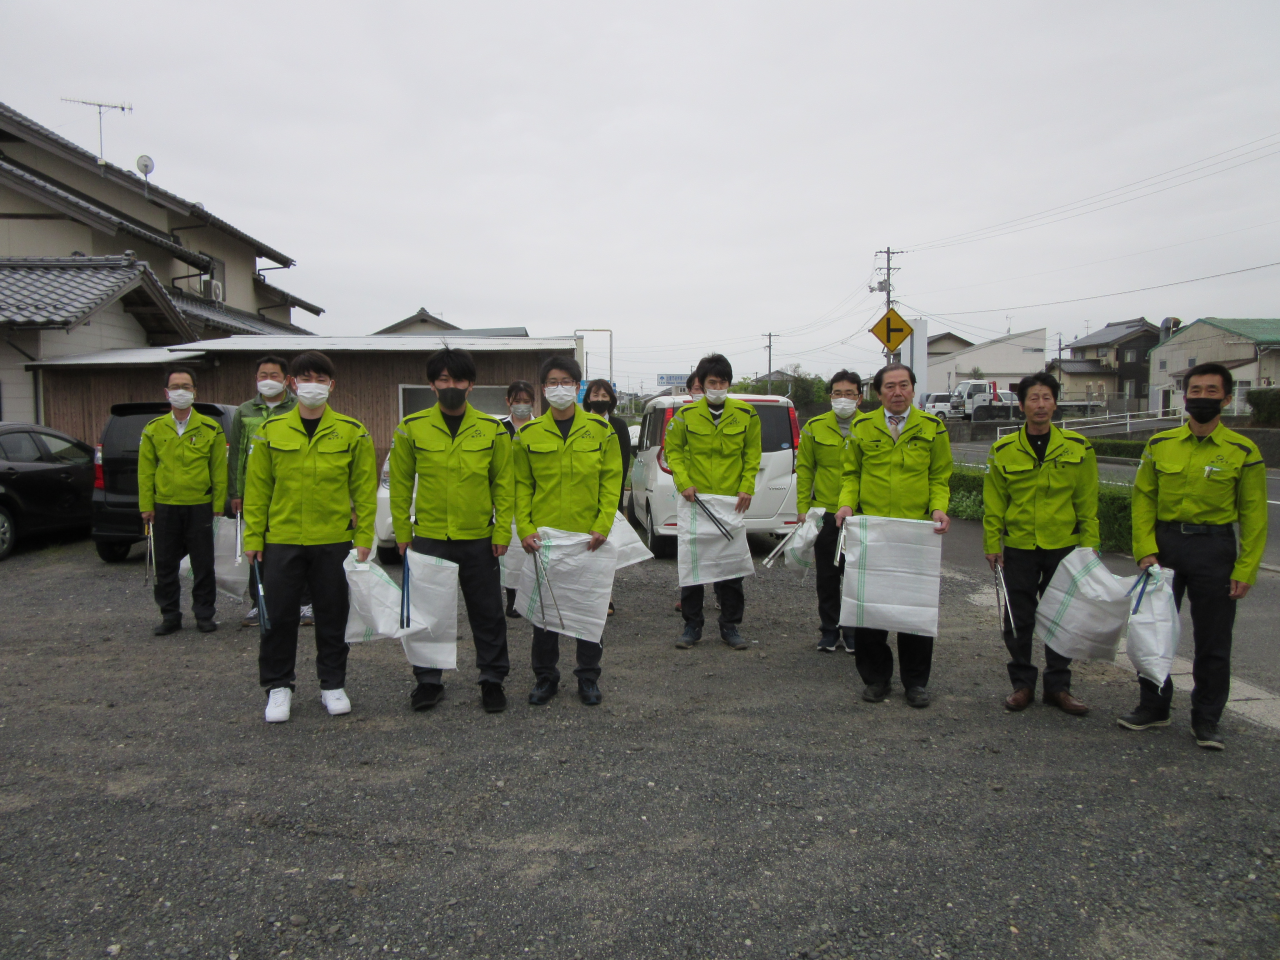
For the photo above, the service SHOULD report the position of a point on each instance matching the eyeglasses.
(559, 383)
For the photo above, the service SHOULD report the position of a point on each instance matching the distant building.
(1250, 349)
(423, 324)
(1109, 365)
(1005, 360)
(941, 344)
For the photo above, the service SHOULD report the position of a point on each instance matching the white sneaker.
(336, 702)
(278, 703)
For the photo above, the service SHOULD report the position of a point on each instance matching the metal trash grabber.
(149, 562)
(1002, 593)
(542, 579)
(264, 624)
(724, 531)
(769, 561)
(406, 610)
(840, 542)
(239, 538)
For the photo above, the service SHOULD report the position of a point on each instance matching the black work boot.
(589, 692)
(492, 696)
(1207, 735)
(542, 692)
(730, 635)
(168, 626)
(1144, 717)
(426, 696)
(690, 637)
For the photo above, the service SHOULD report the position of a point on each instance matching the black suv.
(117, 523)
(46, 479)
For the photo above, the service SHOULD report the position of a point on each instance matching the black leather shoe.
(206, 626)
(167, 627)
(689, 638)
(493, 697)
(589, 692)
(876, 692)
(426, 696)
(542, 692)
(1207, 735)
(1144, 717)
(733, 638)
(918, 697)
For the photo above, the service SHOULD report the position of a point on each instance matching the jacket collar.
(286, 398)
(703, 409)
(915, 419)
(830, 422)
(1056, 443)
(547, 424)
(194, 419)
(1218, 435)
(294, 420)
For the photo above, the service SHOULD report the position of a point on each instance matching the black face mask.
(1202, 409)
(600, 407)
(451, 398)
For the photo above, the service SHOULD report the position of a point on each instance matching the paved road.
(719, 804)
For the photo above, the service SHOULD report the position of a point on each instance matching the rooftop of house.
(1114, 333)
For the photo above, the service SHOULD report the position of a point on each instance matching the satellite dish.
(146, 165)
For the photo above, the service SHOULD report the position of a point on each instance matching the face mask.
(844, 407)
(180, 399)
(560, 397)
(1202, 409)
(716, 396)
(270, 388)
(600, 407)
(522, 411)
(451, 398)
(312, 395)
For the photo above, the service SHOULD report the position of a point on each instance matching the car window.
(62, 450)
(19, 448)
(656, 420)
(775, 427)
(124, 434)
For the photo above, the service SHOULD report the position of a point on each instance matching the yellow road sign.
(891, 330)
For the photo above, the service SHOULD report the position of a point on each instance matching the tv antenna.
(122, 107)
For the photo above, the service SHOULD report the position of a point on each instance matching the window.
(1177, 383)
(1077, 354)
(1131, 356)
(64, 451)
(1130, 389)
(1164, 364)
(415, 397)
(1103, 353)
(19, 448)
(1191, 362)
(1146, 389)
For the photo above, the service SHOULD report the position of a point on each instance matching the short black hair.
(312, 361)
(457, 363)
(567, 364)
(280, 362)
(178, 368)
(1208, 369)
(607, 387)
(1043, 379)
(713, 365)
(889, 368)
(846, 375)
(518, 387)
(690, 381)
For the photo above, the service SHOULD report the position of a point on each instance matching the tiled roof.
(22, 126)
(1113, 332)
(57, 292)
(1259, 331)
(287, 298)
(229, 318)
(31, 185)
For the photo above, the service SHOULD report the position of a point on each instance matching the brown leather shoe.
(1020, 699)
(1065, 702)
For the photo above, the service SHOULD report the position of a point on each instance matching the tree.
(975, 373)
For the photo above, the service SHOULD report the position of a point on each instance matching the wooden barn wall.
(78, 401)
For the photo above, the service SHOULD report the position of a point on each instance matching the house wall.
(1006, 361)
(17, 386)
(1198, 342)
(78, 400)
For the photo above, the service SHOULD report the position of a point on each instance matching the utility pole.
(887, 283)
(769, 369)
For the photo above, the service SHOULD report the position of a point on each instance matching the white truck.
(980, 400)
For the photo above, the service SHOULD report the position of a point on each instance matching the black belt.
(1194, 529)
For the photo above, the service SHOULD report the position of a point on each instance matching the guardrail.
(1141, 419)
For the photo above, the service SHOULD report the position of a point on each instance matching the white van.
(653, 489)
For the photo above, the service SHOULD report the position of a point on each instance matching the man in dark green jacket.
(272, 399)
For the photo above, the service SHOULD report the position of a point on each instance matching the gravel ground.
(718, 804)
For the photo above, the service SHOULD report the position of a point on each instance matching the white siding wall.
(1006, 361)
(17, 392)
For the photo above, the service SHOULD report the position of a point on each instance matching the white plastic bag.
(431, 639)
(511, 562)
(1084, 608)
(565, 587)
(631, 548)
(892, 570)
(704, 555)
(233, 579)
(1154, 627)
(798, 553)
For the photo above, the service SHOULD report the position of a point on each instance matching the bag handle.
(1146, 578)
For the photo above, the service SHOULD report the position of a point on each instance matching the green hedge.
(1118, 448)
(1115, 525)
(1266, 407)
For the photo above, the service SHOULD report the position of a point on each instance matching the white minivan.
(653, 490)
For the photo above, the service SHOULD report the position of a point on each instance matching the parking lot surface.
(718, 804)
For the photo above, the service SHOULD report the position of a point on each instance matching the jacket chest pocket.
(916, 451)
(543, 462)
(875, 451)
(431, 455)
(587, 454)
(1018, 475)
(193, 448)
(1220, 474)
(476, 452)
(733, 436)
(1171, 478)
(828, 452)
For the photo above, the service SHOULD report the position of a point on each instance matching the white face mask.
(522, 411)
(844, 407)
(716, 396)
(270, 388)
(312, 395)
(560, 397)
(180, 399)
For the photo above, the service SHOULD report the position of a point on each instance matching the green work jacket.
(244, 424)
(820, 464)
(717, 458)
(302, 490)
(465, 484)
(1047, 505)
(568, 483)
(182, 470)
(1220, 479)
(909, 479)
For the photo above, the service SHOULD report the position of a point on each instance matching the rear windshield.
(123, 434)
(775, 427)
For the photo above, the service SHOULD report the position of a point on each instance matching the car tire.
(660, 547)
(981, 414)
(631, 511)
(389, 556)
(112, 551)
(8, 533)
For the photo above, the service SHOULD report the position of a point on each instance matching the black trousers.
(184, 531)
(287, 570)
(481, 585)
(828, 574)
(728, 592)
(874, 659)
(545, 655)
(1026, 575)
(1201, 565)
(253, 590)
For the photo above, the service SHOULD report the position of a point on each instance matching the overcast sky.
(694, 175)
